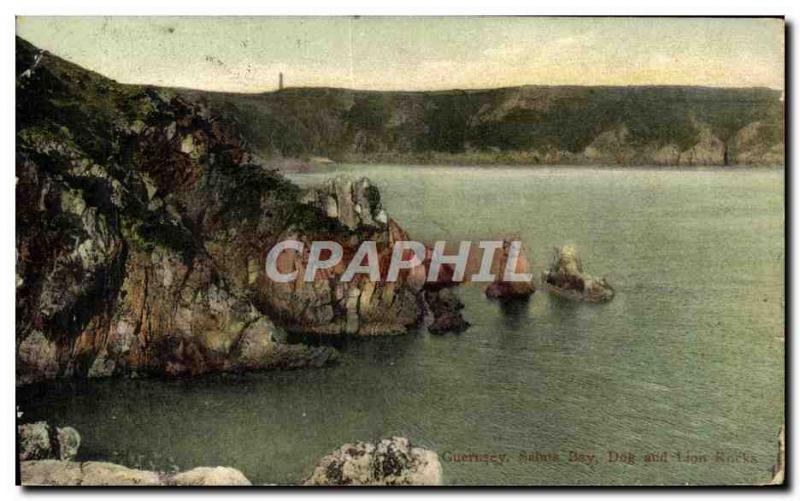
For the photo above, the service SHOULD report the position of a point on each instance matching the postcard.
(400, 251)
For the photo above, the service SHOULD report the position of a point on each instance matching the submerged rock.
(388, 462)
(566, 278)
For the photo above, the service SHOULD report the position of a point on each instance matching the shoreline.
(311, 168)
(522, 158)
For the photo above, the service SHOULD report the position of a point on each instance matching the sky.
(246, 54)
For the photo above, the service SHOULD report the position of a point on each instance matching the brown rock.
(503, 290)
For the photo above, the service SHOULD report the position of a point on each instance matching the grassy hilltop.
(530, 124)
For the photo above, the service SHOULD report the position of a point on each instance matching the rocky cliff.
(528, 125)
(142, 225)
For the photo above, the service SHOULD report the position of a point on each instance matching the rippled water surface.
(687, 359)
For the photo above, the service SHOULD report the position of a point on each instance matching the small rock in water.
(446, 308)
(566, 278)
(504, 290)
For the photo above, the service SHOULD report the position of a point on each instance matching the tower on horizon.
(280, 81)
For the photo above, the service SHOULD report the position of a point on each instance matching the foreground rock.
(45, 457)
(55, 473)
(388, 462)
(503, 290)
(207, 476)
(40, 441)
(566, 278)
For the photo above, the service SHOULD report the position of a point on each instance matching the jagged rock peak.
(353, 202)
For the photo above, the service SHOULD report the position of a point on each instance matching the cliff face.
(531, 124)
(142, 228)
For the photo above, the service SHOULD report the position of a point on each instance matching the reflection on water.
(686, 357)
(515, 313)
